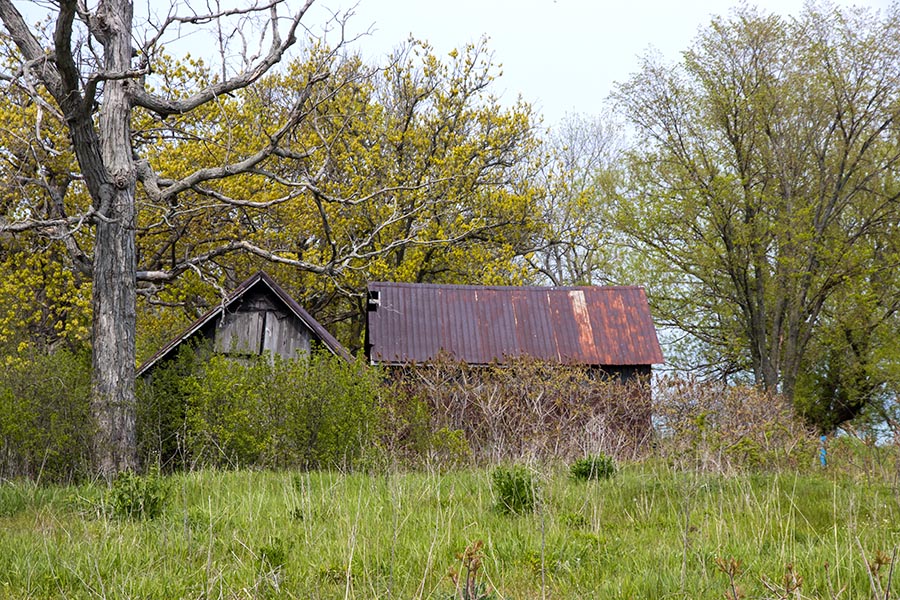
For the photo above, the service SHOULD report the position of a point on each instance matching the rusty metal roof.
(259, 279)
(479, 324)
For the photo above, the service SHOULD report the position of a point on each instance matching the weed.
(598, 466)
(732, 568)
(876, 572)
(272, 557)
(136, 496)
(574, 520)
(273, 554)
(332, 574)
(514, 489)
(790, 586)
(466, 581)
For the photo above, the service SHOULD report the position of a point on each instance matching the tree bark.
(114, 295)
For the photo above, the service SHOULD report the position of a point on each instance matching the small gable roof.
(601, 326)
(257, 281)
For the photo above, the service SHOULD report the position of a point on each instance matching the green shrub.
(45, 419)
(313, 411)
(136, 496)
(334, 417)
(514, 489)
(599, 466)
(162, 400)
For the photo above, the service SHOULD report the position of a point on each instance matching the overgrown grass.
(651, 532)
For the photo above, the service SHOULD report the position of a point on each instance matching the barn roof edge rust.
(260, 278)
(594, 325)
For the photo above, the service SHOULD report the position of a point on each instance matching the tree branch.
(165, 107)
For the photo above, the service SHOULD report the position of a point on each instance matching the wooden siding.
(240, 333)
(285, 336)
(258, 316)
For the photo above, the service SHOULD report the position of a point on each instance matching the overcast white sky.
(560, 55)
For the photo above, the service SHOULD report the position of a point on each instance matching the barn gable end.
(257, 317)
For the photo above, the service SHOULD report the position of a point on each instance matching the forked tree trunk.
(112, 391)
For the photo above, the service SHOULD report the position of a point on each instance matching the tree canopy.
(153, 178)
(762, 186)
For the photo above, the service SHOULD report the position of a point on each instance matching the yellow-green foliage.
(410, 172)
(42, 302)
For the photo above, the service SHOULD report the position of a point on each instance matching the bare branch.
(47, 224)
(165, 107)
(246, 165)
(203, 19)
(162, 276)
(210, 193)
(21, 34)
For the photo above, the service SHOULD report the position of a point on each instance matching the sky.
(562, 56)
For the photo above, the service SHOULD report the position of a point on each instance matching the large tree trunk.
(114, 297)
(112, 399)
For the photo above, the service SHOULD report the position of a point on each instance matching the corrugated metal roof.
(263, 279)
(480, 324)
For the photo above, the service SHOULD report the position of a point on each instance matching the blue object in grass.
(823, 451)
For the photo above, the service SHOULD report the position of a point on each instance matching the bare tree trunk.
(114, 297)
(112, 390)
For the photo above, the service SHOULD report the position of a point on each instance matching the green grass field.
(650, 532)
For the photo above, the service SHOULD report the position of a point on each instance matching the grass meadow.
(651, 531)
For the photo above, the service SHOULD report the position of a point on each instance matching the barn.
(257, 317)
(495, 395)
(609, 327)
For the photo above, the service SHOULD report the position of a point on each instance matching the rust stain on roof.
(482, 324)
(583, 322)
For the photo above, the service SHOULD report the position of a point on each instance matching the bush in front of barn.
(316, 411)
(521, 411)
(321, 411)
(45, 416)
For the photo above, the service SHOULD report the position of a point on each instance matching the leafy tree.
(442, 164)
(147, 170)
(85, 71)
(762, 189)
(408, 171)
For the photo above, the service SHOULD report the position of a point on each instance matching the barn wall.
(240, 333)
(285, 336)
(258, 325)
